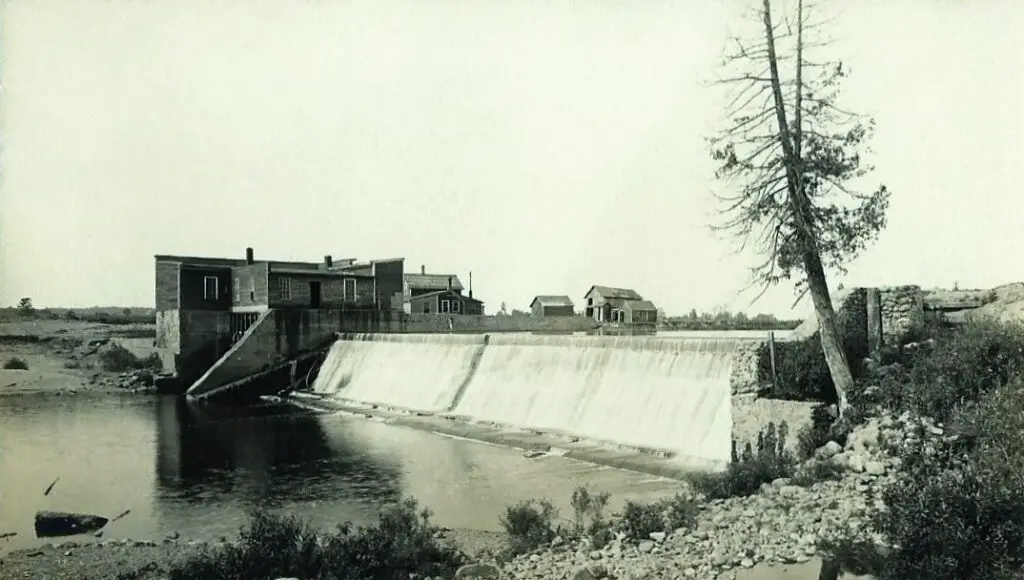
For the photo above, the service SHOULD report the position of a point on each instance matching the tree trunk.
(828, 330)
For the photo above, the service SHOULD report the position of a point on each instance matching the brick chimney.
(449, 283)
(328, 261)
(248, 256)
(423, 269)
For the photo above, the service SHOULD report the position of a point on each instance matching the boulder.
(52, 524)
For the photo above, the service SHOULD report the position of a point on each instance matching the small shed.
(551, 305)
(445, 302)
(638, 312)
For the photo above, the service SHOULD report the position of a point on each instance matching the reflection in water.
(265, 455)
(198, 470)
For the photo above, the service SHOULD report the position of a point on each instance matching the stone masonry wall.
(902, 313)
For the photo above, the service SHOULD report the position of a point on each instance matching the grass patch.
(401, 545)
(15, 363)
(767, 461)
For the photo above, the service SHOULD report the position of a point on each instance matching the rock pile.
(782, 524)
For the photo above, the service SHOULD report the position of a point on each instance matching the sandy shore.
(61, 356)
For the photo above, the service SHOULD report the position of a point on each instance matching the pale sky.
(544, 145)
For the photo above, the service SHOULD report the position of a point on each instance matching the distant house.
(437, 290)
(622, 305)
(445, 302)
(546, 305)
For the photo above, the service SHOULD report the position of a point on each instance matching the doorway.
(314, 294)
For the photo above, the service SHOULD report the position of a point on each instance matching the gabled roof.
(638, 305)
(432, 281)
(612, 292)
(445, 293)
(551, 300)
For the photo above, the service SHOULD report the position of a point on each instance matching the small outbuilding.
(550, 305)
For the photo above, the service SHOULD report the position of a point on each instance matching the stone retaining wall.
(902, 309)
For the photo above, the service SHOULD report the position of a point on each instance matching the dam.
(672, 395)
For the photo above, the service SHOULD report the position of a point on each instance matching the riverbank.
(58, 357)
(147, 560)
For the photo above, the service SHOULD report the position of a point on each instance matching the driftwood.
(51, 524)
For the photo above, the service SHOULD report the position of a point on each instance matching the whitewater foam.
(669, 394)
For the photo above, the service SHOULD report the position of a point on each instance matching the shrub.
(821, 430)
(402, 543)
(966, 363)
(638, 521)
(768, 461)
(529, 524)
(680, 512)
(15, 363)
(588, 516)
(958, 511)
(116, 358)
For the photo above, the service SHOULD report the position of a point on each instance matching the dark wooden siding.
(332, 291)
(166, 285)
(389, 282)
(192, 286)
(557, 311)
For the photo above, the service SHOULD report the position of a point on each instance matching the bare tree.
(790, 154)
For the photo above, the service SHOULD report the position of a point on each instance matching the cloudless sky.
(544, 145)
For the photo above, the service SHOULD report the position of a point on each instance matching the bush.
(958, 511)
(823, 428)
(638, 521)
(529, 525)
(965, 363)
(15, 363)
(402, 543)
(767, 462)
(588, 516)
(116, 358)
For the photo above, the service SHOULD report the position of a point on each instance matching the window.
(456, 306)
(445, 306)
(348, 290)
(284, 285)
(238, 289)
(252, 288)
(426, 308)
(210, 288)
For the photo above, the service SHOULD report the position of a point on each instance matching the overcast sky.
(544, 145)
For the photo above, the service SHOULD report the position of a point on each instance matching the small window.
(285, 287)
(426, 308)
(445, 306)
(210, 288)
(456, 306)
(238, 289)
(348, 290)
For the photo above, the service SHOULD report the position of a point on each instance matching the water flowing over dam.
(667, 394)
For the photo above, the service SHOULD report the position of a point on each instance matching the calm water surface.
(197, 470)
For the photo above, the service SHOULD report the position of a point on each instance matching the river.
(198, 469)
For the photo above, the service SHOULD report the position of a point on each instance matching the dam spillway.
(667, 394)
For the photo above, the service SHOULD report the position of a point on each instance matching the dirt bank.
(63, 357)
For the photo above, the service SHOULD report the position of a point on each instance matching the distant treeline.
(103, 314)
(727, 321)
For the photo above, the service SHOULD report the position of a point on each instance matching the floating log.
(52, 524)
